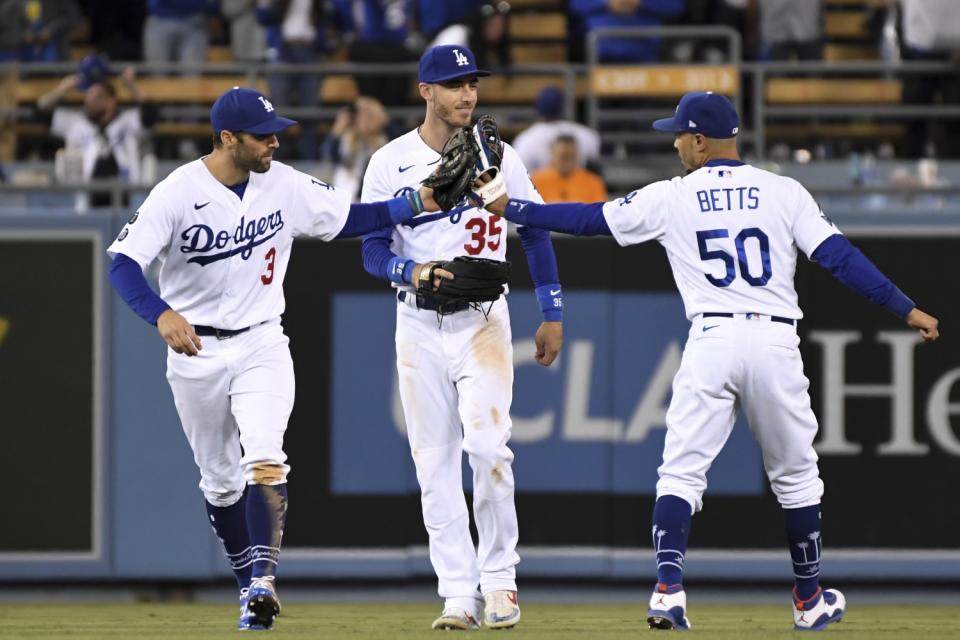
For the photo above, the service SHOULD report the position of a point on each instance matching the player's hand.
(438, 275)
(927, 324)
(429, 204)
(178, 333)
(69, 83)
(549, 339)
(498, 206)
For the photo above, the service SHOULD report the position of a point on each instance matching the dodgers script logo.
(202, 239)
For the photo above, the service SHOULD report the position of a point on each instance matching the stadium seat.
(832, 91)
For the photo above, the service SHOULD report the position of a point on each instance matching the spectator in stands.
(533, 144)
(116, 27)
(593, 14)
(728, 13)
(176, 30)
(247, 35)
(791, 29)
(565, 180)
(434, 16)
(931, 33)
(296, 32)
(380, 32)
(49, 23)
(486, 33)
(358, 131)
(107, 139)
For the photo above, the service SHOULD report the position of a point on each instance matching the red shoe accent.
(802, 604)
(512, 597)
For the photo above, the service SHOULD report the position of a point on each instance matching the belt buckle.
(753, 316)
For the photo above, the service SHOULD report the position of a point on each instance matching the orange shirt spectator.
(564, 180)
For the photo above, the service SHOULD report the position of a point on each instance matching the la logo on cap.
(460, 58)
(267, 106)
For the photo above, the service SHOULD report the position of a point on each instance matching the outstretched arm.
(848, 265)
(569, 217)
(364, 218)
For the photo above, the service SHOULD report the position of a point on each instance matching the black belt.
(221, 334)
(432, 304)
(711, 314)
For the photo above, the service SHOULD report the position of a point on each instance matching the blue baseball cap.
(447, 62)
(549, 102)
(243, 109)
(93, 68)
(706, 113)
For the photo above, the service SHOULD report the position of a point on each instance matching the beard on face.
(245, 160)
(449, 115)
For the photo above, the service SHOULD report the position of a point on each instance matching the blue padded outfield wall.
(112, 486)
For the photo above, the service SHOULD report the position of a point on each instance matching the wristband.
(550, 297)
(405, 207)
(399, 269)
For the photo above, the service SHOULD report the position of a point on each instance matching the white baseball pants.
(753, 365)
(456, 386)
(237, 391)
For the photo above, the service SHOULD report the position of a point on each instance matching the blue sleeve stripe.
(848, 265)
(127, 278)
(543, 270)
(569, 217)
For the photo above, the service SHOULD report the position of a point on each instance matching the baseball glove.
(453, 177)
(487, 136)
(475, 280)
(489, 158)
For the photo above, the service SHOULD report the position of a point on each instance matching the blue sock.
(803, 534)
(266, 517)
(230, 525)
(671, 528)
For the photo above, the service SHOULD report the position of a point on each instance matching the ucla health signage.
(592, 422)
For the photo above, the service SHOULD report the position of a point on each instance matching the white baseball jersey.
(122, 136)
(731, 235)
(402, 165)
(463, 373)
(223, 259)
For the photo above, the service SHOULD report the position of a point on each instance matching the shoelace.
(264, 582)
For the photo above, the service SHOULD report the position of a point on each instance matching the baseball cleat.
(501, 610)
(247, 621)
(455, 618)
(668, 608)
(262, 603)
(816, 612)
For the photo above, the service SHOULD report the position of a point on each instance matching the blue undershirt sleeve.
(848, 265)
(568, 217)
(127, 278)
(381, 262)
(543, 270)
(364, 218)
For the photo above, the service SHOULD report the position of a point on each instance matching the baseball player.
(731, 232)
(222, 227)
(455, 363)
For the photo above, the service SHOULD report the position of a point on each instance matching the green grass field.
(369, 620)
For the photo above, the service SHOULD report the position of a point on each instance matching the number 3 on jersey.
(706, 253)
(271, 258)
(478, 239)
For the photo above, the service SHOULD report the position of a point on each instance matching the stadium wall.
(109, 488)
